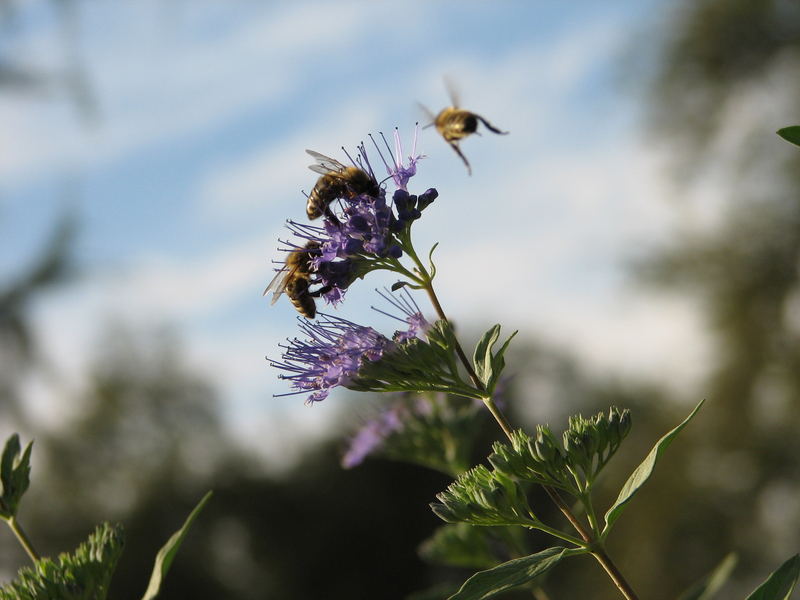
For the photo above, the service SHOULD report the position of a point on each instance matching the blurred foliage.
(51, 267)
(724, 81)
(147, 439)
(709, 49)
(68, 79)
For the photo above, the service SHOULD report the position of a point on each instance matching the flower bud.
(426, 198)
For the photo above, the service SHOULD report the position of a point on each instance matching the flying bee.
(294, 279)
(454, 123)
(336, 181)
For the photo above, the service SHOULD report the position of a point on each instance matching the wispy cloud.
(152, 89)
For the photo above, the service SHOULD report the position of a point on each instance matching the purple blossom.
(400, 173)
(372, 436)
(405, 303)
(330, 357)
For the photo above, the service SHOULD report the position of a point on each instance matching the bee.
(294, 279)
(454, 123)
(336, 181)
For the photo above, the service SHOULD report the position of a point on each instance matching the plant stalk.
(598, 552)
(23, 538)
(610, 568)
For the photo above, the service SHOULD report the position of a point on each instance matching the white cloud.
(151, 90)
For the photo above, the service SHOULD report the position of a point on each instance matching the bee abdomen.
(297, 291)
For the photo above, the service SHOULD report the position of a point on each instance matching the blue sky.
(196, 158)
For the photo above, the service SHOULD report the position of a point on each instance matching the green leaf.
(790, 134)
(461, 545)
(511, 574)
(482, 358)
(642, 473)
(711, 583)
(398, 284)
(780, 584)
(498, 364)
(167, 553)
(15, 471)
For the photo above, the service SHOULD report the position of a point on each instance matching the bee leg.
(323, 290)
(332, 217)
(455, 147)
(491, 127)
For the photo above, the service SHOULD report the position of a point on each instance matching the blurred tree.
(68, 79)
(724, 81)
(53, 266)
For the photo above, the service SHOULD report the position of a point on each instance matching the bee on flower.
(361, 230)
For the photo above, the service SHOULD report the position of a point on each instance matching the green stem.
(561, 535)
(23, 539)
(428, 286)
(396, 266)
(588, 504)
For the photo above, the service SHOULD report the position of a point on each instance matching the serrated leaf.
(642, 473)
(511, 574)
(168, 551)
(711, 583)
(790, 134)
(482, 358)
(779, 585)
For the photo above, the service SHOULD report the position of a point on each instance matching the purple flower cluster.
(368, 227)
(335, 348)
(360, 231)
(372, 435)
(331, 356)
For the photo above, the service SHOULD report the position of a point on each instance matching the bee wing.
(278, 284)
(321, 170)
(428, 114)
(452, 91)
(325, 164)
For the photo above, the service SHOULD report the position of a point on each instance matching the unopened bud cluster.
(537, 460)
(484, 497)
(588, 445)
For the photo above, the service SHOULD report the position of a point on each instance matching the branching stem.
(598, 551)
